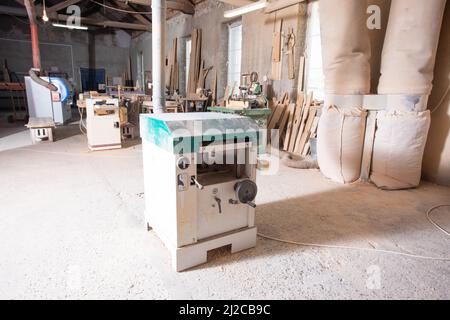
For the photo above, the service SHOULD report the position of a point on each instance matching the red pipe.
(29, 5)
(34, 72)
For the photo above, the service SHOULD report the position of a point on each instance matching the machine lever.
(251, 204)
(196, 183)
(218, 203)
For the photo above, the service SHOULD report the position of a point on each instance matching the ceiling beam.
(86, 21)
(13, 11)
(62, 5)
(140, 17)
(237, 3)
(181, 5)
(184, 6)
(109, 23)
(280, 4)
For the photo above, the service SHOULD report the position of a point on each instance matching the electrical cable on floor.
(83, 128)
(410, 255)
(442, 100)
(434, 223)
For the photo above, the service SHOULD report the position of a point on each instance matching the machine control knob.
(246, 191)
(183, 163)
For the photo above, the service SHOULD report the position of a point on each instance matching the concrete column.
(158, 55)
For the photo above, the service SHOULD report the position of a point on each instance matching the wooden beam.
(184, 6)
(181, 5)
(13, 11)
(280, 4)
(237, 3)
(61, 5)
(141, 18)
(141, 2)
(109, 23)
(87, 21)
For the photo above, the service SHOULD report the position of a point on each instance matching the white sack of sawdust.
(340, 140)
(398, 149)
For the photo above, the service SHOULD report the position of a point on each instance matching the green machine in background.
(250, 94)
(260, 115)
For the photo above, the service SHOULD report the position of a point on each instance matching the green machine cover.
(185, 132)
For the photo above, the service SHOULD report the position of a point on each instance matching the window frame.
(230, 52)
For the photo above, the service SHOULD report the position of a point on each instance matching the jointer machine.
(199, 177)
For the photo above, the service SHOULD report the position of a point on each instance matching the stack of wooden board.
(296, 122)
(172, 69)
(195, 61)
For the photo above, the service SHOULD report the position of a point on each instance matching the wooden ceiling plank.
(21, 12)
(141, 18)
(61, 5)
(237, 3)
(184, 6)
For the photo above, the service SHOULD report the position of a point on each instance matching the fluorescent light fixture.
(60, 25)
(245, 9)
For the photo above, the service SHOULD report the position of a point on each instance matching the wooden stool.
(41, 129)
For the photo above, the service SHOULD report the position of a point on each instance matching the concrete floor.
(71, 226)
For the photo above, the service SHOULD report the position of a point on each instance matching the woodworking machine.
(43, 103)
(250, 93)
(103, 123)
(199, 177)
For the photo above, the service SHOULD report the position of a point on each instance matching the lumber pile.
(296, 122)
(127, 76)
(172, 69)
(195, 64)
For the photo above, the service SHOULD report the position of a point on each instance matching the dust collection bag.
(407, 66)
(340, 140)
(345, 46)
(410, 46)
(398, 149)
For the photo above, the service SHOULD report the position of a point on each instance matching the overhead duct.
(346, 64)
(345, 46)
(158, 55)
(407, 66)
(410, 46)
(29, 5)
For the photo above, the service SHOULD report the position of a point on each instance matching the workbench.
(195, 103)
(171, 106)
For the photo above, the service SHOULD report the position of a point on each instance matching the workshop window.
(234, 54)
(188, 60)
(314, 79)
